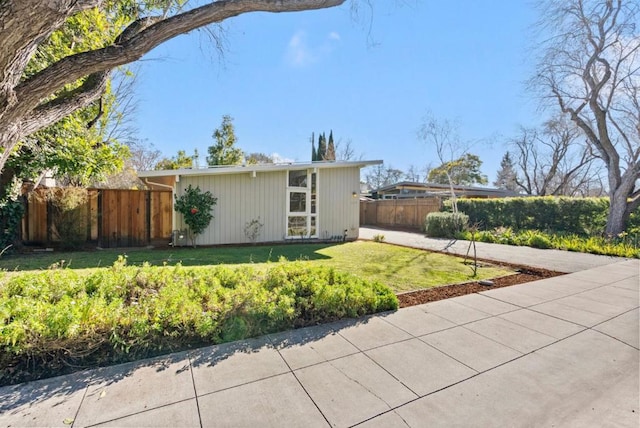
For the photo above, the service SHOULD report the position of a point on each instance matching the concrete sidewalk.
(563, 351)
(561, 261)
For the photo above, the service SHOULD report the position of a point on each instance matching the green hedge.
(445, 225)
(62, 318)
(581, 216)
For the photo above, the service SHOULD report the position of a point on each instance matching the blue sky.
(285, 76)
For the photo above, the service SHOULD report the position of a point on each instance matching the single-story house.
(409, 189)
(312, 200)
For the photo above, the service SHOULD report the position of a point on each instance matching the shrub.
(70, 211)
(378, 238)
(196, 208)
(445, 225)
(63, 317)
(571, 242)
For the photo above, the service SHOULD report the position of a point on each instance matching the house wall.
(242, 198)
(337, 207)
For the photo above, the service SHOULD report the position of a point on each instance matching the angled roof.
(270, 167)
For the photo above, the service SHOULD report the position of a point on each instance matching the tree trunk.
(617, 215)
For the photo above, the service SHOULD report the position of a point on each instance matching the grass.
(400, 268)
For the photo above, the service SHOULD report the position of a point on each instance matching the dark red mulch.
(418, 297)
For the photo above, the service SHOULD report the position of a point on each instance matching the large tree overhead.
(31, 102)
(590, 68)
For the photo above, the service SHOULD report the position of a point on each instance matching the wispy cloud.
(300, 53)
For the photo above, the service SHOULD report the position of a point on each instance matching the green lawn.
(400, 268)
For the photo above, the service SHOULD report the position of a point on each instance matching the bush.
(581, 216)
(595, 245)
(445, 225)
(63, 318)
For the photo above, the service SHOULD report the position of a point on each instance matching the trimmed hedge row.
(61, 318)
(581, 216)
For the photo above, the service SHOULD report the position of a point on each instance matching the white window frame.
(307, 213)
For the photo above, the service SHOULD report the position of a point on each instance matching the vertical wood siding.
(241, 198)
(338, 208)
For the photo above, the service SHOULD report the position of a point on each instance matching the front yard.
(67, 311)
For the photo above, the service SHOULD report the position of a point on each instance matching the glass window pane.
(313, 182)
(297, 202)
(313, 231)
(297, 226)
(298, 178)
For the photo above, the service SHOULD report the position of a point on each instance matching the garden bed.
(525, 275)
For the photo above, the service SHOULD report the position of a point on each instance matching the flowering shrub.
(196, 208)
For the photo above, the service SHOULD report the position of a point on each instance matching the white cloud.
(300, 53)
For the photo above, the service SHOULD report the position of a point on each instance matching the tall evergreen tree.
(322, 147)
(331, 149)
(314, 153)
(224, 151)
(506, 177)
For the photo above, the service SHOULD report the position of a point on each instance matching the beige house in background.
(314, 200)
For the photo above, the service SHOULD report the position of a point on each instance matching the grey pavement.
(563, 351)
(561, 261)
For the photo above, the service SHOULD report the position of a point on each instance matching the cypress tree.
(322, 147)
(331, 148)
(314, 154)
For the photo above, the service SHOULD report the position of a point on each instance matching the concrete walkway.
(561, 261)
(562, 351)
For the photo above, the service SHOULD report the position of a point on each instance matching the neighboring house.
(314, 200)
(407, 189)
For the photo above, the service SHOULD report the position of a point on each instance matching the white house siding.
(241, 198)
(338, 208)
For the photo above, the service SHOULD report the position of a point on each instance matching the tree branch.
(53, 111)
(69, 69)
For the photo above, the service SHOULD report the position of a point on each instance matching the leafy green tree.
(463, 171)
(181, 160)
(224, 152)
(196, 208)
(506, 177)
(36, 91)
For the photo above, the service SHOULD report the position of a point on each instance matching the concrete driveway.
(562, 351)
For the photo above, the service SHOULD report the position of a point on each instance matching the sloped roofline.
(237, 169)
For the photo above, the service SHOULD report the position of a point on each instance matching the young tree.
(31, 102)
(590, 67)
(224, 151)
(506, 177)
(443, 135)
(464, 171)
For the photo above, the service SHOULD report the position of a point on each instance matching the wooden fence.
(401, 213)
(114, 218)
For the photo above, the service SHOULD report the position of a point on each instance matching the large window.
(302, 204)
